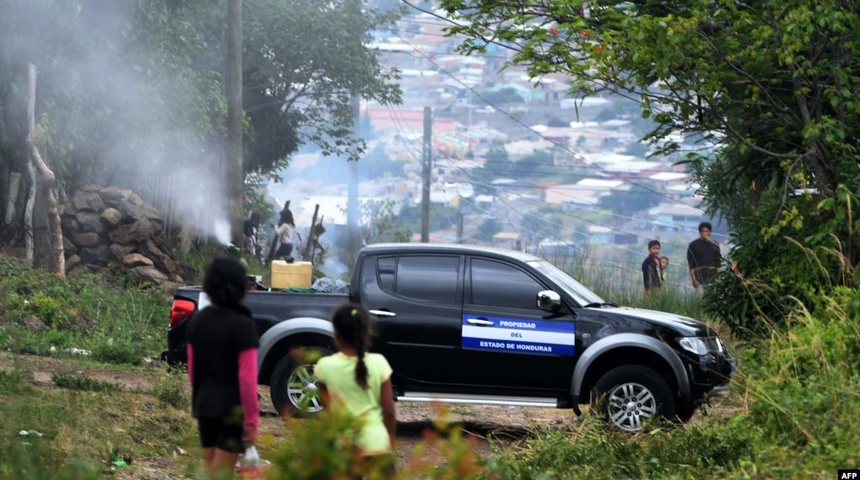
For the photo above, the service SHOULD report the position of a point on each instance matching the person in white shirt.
(284, 230)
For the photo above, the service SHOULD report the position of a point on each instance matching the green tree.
(132, 93)
(304, 62)
(534, 167)
(488, 228)
(496, 165)
(771, 88)
(638, 198)
(381, 223)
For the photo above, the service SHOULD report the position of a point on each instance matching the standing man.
(703, 257)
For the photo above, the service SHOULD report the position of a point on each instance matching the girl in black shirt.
(222, 367)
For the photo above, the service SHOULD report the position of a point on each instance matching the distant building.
(587, 191)
(677, 217)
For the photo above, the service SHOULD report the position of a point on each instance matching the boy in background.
(652, 271)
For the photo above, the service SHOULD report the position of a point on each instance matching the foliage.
(171, 388)
(487, 229)
(92, 92)
(303, 62)
(629, 202)
(378, 164)
(382, 223)
(768, 93)
(502, 96)
(589, 451)
(803, 256)
(497, 165)
(77, 381)
(73, 431)
(131, 93)
(86, 312)
(442, 217)
(325, 447)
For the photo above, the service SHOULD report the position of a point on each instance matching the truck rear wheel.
(631, 395)
(294, 387)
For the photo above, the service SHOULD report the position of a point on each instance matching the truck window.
(385, 268)
(430, 278)
(500, 285)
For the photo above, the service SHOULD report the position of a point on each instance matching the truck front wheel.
(630, 395)
(294, 387)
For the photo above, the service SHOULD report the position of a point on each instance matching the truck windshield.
(579, 292)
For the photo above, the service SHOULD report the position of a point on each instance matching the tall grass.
(72, 432)
(619, 280)
(111, 321)
(792, 412)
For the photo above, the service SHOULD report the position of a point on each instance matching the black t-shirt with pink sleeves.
(217, 336)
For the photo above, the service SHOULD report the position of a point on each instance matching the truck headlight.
(701, 345)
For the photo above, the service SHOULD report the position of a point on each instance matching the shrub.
(75, 381)
(171, 388)
(591, 451)
(118, 325)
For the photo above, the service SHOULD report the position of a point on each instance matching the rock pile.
(111, 227)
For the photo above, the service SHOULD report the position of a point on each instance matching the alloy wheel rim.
(629, 405)
(303, 390)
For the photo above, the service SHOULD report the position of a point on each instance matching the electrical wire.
(520, 122)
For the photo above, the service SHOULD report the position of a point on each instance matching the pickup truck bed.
(268, 308)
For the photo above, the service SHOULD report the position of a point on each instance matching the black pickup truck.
(466, 324)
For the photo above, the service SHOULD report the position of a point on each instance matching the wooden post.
(306, 252)
(47, 181)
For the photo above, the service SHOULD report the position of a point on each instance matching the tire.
(683, 414)
(294, 387)
(631, 395)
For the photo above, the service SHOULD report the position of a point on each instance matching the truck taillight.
(181, 310)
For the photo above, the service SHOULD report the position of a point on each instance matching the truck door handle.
(382, 313)
(480, 322)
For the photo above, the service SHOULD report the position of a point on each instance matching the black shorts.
(284, 250)
(221, 433)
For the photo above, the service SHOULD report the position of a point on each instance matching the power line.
(452, 22)
(516, 120)
(399, 125)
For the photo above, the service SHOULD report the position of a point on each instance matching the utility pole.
(233, 86)
(352, 208)
(425, 187)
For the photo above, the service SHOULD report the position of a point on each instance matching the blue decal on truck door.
(518, 335)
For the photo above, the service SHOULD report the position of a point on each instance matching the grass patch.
(172, 388)
(77, 381)
(118, 325)
(82, 426)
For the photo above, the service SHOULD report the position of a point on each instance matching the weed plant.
(72, 431)
(172, 388)
(792, 412)
(324, 447)
(791, 415)
(77, 381)
(112, 322)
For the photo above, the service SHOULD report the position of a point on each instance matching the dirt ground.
(481, 423)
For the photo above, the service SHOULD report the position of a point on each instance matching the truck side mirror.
(548, 300)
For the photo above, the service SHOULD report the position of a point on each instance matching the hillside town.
(515, 162)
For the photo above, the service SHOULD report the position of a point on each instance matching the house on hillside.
(587, 191)
(678, 217)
